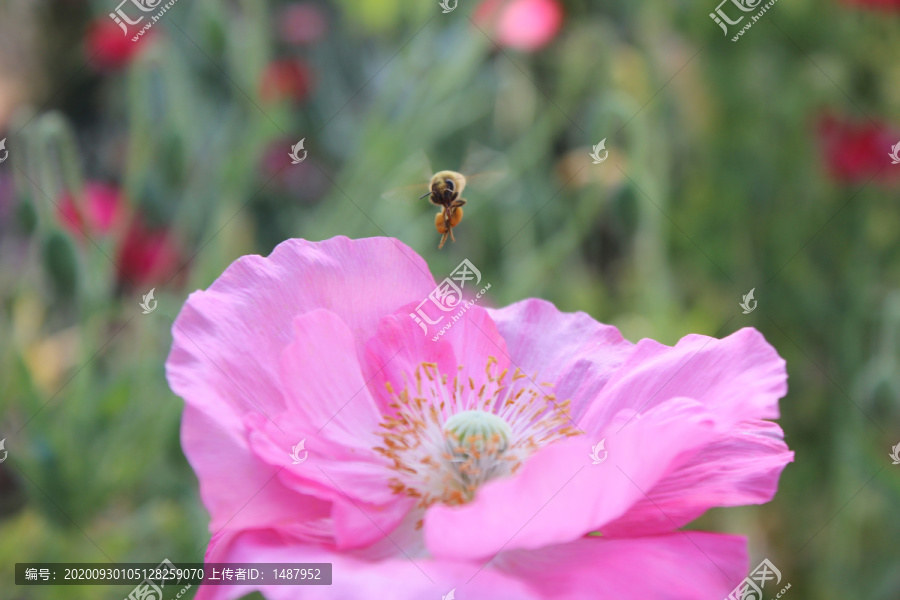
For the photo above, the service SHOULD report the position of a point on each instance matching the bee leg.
(457, 203)
(447, 215)
(443, 239)
(450, 231)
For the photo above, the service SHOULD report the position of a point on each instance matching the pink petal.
(228, 339)
(228, 343)
(325, 388)
(522, 24)
(529, 24)
(329, 470)
(363, 508)
(740, 468)
(328, 406)
(237, 489)
(359, 524)
(394, 353)
(357, 575)
(571, 350)
(463, 351)
(356, 520)
(739, 377)
(558, 494)
(686, 565)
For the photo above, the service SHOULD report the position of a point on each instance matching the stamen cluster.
(446, 438)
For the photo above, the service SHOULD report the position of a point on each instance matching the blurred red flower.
(302, 23)
(856, 151)
(520, 24)
(875, 4)
(147, 255)
(286, 79)
(108, 48)
(104, 208)
(144, 254)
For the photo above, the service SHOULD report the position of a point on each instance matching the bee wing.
(484, 167)
(409, 179)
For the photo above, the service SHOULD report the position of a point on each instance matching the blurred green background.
(153, 164)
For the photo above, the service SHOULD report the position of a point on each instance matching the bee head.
(447, 185)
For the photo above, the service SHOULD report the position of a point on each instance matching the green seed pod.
(26, 216)
(60, 259)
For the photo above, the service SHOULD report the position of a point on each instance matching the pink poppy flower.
(856, 151)
(306, 182)
(302, 23)
(527, 25)
(104, 209)
(471, 463)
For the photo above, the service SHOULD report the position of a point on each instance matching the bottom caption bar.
(156, 576)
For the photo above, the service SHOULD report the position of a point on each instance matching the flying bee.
(485, 166)
(445, 190)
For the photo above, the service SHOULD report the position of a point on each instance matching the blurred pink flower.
(302, 23)
(854, 152)
(286, 79)
(305, 182)
(521, 24)
(108, 48)
(104, 209)
(453, 464)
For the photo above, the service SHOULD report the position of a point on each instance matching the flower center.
(445, 438)
(477, 432)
